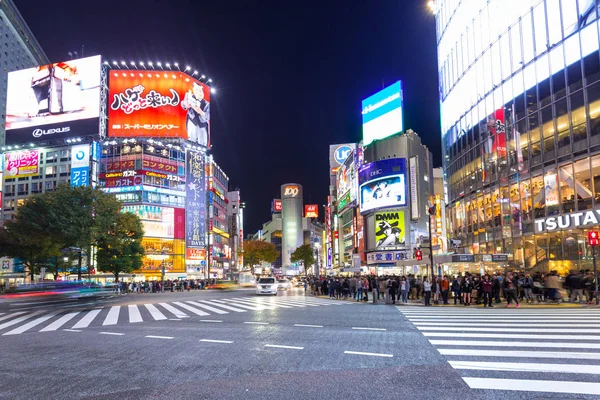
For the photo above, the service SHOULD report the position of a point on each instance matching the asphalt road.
(234, 345)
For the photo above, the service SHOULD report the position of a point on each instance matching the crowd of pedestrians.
(177, 285)
(512, 288)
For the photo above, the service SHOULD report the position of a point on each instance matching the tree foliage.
(66, 218)
(304, 254)
(257, 251)
(120, 246)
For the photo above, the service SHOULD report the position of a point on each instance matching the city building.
(218, 234)
(21, 50)
(292, 226)
(235, 214)
(520, 105)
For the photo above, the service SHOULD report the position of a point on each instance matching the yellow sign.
(220, 232)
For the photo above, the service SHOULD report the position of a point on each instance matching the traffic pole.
(595, 275)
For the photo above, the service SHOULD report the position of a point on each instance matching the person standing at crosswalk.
(510, 289)
(466, 288)
(486, 288)
(427, 291)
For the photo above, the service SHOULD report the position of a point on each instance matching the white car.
(284, 284)
(266, 286)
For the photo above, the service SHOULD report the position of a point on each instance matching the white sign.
(382, 257)
(414, 192)
(551, 189)
(80, 156)
(568, 221)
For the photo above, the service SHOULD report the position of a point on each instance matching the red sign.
(311, 211)
(498, 130)
(277, 206)
(195, 254)
(158, 104)
(593, 238)
(336, 235)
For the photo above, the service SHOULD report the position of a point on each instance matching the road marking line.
(284, 347)
(113, 316)
(112, 333)
(20, 319)
(134, 314)
(72, 330)
(360, 353)
(249, 305)
(256, 323)
(175, 319)
(527, 385)
(223, 306)
(210, 320)
(12, 315)
(494, 325)
(552, 330)
(192, 309)
(30, 325)
(206, 307)
(524, 354)
(582, 320)
(216, 341)
(159, 337)
(485, 343)
(86, 320)
(526, 367)
(509, 336)
(174, 311)
(60, 322)
(156, 314)
(309, 326)
(368, 329)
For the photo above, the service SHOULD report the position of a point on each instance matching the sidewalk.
(502, 304)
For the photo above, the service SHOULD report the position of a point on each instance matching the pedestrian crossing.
(528, 350)
(19, 322)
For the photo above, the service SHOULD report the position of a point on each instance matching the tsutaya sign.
(568, 221)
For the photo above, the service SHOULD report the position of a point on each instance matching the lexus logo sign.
(37, 133)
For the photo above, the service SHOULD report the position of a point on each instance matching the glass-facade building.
(519, 88)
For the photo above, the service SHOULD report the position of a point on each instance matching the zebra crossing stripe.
(30, 325)
(526, 367)
(134, 314)
(19, 319)
(224, 306)
(248, 305)
(260, 303)
(509, 336)
(60, 322)
(533, 330)
(156, 314)
(512, 344)
(515, 325)
(192, 309)
(524, 354)
(206, 307)
(86, 320)
(529, 385)
(9, 316)
(113, 316)
(174, 311)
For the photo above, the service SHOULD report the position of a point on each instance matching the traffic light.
(418, 255)
(593, 238)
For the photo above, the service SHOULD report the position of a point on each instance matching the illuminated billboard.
(276, 206)
(389, 229)
(338, 154)
(22, 163)
(382, 184)
(382, 114)
(168, 104)
(311, 211)
(53, 101)
(195, 201)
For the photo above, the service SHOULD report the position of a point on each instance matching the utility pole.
(593, 241)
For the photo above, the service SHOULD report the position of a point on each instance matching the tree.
(306, 254)
(120, 246)
(257, 251)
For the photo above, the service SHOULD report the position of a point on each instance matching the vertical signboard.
(414, 189)
(80, 165)
(195, 201)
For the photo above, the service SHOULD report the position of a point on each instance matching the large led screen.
(382, 114)
(53, 101)
(389, 229)
(382, 184)
(158, 104)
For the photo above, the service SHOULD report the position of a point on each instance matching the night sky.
(289, 76)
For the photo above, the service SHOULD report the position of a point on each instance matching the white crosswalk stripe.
(528, 350)
(24, 322)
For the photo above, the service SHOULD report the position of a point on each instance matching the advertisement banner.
(382, 184)
(54, 101)
(414, 189)
(497, 129)
(22, 163)
(158, 222)
(195, 201)
(389, 229)
(195, 254)
(338, 154)
(158, 104)
(551, 189)
(382, 114)
(276, 206)
(311, 211)
(80, 165)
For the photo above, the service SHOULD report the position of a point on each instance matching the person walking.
(496, 285)
(510, 289)
(445, 285)
(486, 289)
(427, 291)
